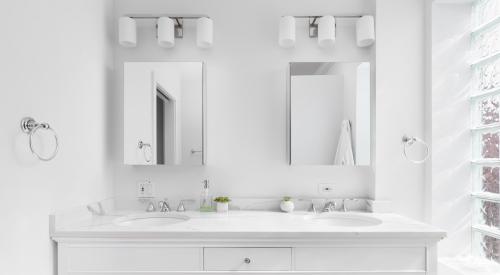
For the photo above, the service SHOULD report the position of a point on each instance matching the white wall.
(400, 103)
(451, 76)
(56, 64)
(246, 92)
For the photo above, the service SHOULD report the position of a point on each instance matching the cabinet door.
(164, 113)
(139, 115)
(125, 259)
(361, 259)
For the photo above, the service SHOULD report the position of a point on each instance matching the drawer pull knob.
(247, 260)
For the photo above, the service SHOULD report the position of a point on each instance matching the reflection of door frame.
(168, 98)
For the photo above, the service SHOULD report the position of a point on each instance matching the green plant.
(286, 198)
(222, 199)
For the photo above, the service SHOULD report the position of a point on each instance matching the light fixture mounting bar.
(173, 16)
(336, 16)
(178, 18)
(313, 25)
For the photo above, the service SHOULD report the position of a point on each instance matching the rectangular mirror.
(164, 113)
(329, 113)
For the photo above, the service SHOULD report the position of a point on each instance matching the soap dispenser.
(205, 198)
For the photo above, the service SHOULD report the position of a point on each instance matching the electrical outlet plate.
(325, 188)
(145, 189)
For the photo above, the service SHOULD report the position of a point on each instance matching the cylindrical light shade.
(365, 31)
(204, 32)
(127, 32)
(287, 32)
(165, 32)
(326, 31)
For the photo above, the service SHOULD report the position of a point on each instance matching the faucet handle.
(181, 207)
(330, 206)
(317, 204)
(163, 206)
(344, 201)
(151, 207)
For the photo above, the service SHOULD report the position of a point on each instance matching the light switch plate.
(325, 188)
(145, 189)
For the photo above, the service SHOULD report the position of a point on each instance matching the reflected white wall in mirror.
(163, 113)
(329, 113)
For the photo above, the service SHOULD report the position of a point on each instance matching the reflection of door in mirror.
(165, 127)
(163, 113)
(329, 113)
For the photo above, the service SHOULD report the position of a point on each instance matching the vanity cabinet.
(115, 256)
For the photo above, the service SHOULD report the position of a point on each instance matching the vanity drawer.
(258, 259)
(391, 259)
(122, 258)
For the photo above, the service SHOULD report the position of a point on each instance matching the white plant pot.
(222, 207)
(287, 206)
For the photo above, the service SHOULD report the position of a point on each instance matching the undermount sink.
(150, 219)
(348, 219)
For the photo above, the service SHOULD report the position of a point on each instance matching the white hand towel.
(344, 155)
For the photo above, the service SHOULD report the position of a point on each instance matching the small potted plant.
(222, 205)
(287, 205)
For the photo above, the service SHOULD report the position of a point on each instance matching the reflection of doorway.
(165, 127)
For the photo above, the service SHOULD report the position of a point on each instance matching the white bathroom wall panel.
(451, 139)
(246, 74)
(400, 94)
(56, 64)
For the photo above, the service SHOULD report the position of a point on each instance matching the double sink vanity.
(241, 242)
(328, 123)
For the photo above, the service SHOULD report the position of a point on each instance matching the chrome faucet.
(315, 203)
(163, 206)
(330, 206)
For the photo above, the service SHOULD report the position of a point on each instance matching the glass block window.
(485, 110)
(487, 76)
(487, 213)
(484, 11)
(486, 246)
(489, 110)
(490, 179)
(486, 43)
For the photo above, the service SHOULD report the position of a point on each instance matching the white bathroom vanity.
(245, 242)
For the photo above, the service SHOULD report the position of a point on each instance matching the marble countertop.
(245, 224)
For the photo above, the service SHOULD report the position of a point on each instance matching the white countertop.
(248, 225)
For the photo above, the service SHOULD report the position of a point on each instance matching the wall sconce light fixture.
(168, 27)
(165, 32)
(287, 32)
(365, 31)
(204, 32)
(324, 29)
(127, 32)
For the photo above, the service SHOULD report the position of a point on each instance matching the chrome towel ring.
(142, 145)
(30, 127)
(408, 142)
